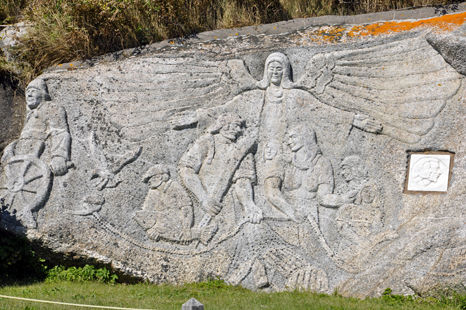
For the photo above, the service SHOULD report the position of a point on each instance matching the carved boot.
(260, 275)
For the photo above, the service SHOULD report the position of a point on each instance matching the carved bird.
(106, 172)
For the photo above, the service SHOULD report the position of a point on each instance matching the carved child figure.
(167, 212)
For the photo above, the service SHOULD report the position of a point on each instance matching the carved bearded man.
(218, 165)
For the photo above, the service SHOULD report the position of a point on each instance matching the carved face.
(33, 98)
(275, 72)
(295, 141)
(156, 181)
(231, 131)
(367, 195)
(347, 173)
(430, 172)
(271, 150)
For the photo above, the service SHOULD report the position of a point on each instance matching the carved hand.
(350, 197)
(153, 234)
(186, 234)
(367, 123)
(254, 215)
(299, 217)
(58, 166)
(183, 119)
(212, 207)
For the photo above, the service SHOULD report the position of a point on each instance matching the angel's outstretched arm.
(187, 119)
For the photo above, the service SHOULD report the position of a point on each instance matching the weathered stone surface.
(274, 162)
(12, 111)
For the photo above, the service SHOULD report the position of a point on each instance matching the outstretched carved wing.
(140, 97)
(402, 85)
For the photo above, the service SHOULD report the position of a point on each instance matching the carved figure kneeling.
(167, 213)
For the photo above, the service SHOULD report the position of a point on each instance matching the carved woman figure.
(267, 108)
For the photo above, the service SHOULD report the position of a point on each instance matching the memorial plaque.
(275, 162)
(429, 172)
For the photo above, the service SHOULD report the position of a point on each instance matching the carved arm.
(245, 195)
(329, 200)
(192, 182)
(275, 196)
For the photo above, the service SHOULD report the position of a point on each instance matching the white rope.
(68, 304)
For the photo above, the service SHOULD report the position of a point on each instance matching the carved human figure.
(354, 172)
(44, 119)
(306, 186)
(360, 224)
(43, 147)
(270, 104)
(167, 213)
(219, 164)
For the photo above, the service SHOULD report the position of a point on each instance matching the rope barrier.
(69, 304)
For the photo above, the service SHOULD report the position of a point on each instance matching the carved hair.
(41, 86)
(307, 133)
(356, 162)
(286, 78)
(421, 165)
(223, 120)
(156, 170)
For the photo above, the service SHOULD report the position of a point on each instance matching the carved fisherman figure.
(45, 119)
(167, 212)
(305, 189)
(360, 224)
(27, 171)
(219, 165)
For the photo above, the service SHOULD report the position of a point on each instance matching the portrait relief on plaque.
(429, 172)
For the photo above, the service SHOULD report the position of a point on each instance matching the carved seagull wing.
(96, 153)
(166, 86)
(403, 85)
(124, 160)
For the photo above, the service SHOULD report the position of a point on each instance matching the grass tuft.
(69, 30)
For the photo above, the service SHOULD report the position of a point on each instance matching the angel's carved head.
(277, 71)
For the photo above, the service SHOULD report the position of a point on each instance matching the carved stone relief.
(429, 172)
(187, 167)
(27, 177)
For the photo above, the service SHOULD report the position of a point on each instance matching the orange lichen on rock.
(439, 24)
(327, 34)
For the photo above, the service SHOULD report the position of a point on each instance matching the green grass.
(213, 294)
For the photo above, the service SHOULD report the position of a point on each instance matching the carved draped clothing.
(172, 207)
(215, 161)
(47, 120)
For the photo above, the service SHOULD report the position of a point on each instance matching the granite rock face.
(12, 111)
(327, 158)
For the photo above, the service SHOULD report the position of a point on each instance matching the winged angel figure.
(396, 89)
